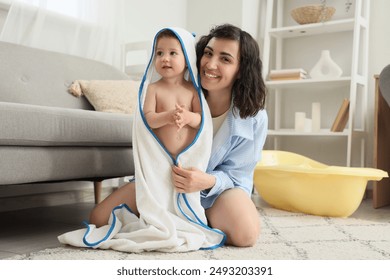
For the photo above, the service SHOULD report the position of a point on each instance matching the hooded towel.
(168, 221)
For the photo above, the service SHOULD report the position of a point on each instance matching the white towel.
(168, 221)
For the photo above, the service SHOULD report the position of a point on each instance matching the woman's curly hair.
(249, 90)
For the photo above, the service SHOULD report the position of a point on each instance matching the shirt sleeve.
(237, 168)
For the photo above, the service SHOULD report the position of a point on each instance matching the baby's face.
(169, 57)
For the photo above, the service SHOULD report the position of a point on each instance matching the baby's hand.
(180, 116)
(172, 117)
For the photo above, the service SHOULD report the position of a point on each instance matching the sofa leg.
(97, 187)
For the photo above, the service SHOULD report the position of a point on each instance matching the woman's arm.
(236, 169)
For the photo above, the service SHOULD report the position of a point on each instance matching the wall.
(250, 17)
(148, 16)
(204, 14)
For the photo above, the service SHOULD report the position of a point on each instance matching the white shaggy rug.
(284, 236)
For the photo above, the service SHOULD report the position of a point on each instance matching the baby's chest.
(168, 101)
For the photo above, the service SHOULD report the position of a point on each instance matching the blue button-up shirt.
(235, 151)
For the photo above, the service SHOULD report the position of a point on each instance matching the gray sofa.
(48, 135)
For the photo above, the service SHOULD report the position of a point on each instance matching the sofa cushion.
(113, 96)
(40, 77)
(33, 125)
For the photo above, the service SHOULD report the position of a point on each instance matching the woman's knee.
(240, 222)
(244, 237)
(98, 217)
(100, 214)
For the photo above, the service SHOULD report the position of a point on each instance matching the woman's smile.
(210, 75)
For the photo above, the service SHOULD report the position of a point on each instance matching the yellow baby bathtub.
(295, 183)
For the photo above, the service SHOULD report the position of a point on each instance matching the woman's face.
(219, 65)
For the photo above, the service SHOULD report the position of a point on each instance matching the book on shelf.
(292, 77)
(288, 71)
(288, 74)
(341, 119)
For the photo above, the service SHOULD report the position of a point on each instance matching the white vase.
(325, 67)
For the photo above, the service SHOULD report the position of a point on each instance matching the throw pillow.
(114, 96)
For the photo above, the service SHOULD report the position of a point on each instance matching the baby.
(172, 106)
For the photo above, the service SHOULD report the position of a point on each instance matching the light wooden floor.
(30, 230)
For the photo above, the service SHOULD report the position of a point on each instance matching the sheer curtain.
(87, 28)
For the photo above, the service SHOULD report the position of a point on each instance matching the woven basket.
(312, 14)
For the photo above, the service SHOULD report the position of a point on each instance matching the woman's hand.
(191, 179)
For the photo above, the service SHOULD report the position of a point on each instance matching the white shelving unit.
(348, 40)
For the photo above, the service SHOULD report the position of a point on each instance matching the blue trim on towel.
(189, 66)
(140, 105)
(199, 221)
(196, 84)
(198, 88)
(109, 231)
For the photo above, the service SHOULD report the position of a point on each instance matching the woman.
(231, 77)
